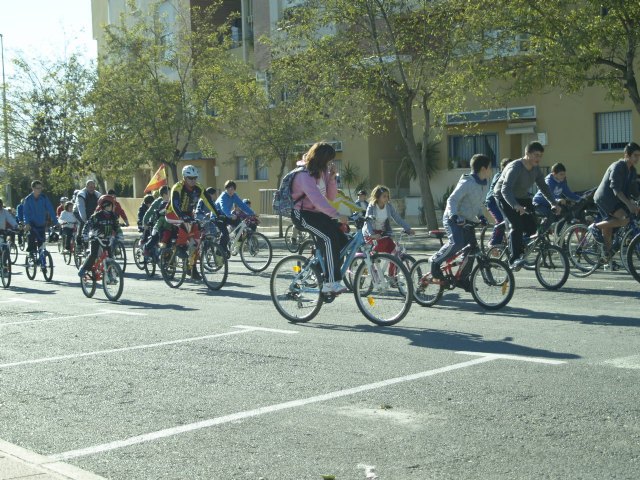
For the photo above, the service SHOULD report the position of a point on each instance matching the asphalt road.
(191, 384)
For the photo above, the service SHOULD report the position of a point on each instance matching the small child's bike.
(104, 269)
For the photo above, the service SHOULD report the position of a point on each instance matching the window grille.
(613, 130)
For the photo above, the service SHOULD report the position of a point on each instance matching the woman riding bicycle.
(312, 212)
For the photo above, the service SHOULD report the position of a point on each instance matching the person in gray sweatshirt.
(512, 192)
(465, 203)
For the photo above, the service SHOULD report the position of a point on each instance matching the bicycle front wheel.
(173, 268)
(214, 266)
(5, 268)
(425, 292)
(120, 255)
(296, 289)
(633, 257)
(138, 257)
(256, 252)
(552, 267)
(382, 288)
(47, 266)
(30, 266)
(582, 250)
(492, 283)
(88, 283)
(112, 279)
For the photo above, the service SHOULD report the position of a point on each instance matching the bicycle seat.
(438, 233)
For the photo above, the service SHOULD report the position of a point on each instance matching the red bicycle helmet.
(105, 199)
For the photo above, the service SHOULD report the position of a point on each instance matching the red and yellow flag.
(158, 180)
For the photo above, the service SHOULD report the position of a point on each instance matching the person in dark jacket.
(619, 183)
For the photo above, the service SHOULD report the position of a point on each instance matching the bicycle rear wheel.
(633, 257)
(173, 268)
(582, 250)
(47, 267)
(5, 268)
(13, 253)
(256, 252)
(492, 283)
(296, 289)
(112, 279)
(120, 254)
(214, 266)
(552, 267)
(138, 257)
(30, 266)
(383, 289)
(88, 283)
(425, 292)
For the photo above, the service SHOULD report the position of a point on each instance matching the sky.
(49, 29)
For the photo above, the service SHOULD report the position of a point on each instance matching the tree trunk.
(174, 172)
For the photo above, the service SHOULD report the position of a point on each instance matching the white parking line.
(243, 329)
(234, 417)
(68, 317)
(18, 300)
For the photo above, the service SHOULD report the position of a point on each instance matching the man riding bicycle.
(183, 200)
(37, 211)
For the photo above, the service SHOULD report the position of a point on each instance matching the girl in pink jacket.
(312, 212)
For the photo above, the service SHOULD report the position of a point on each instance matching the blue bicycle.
(381, 283)
(39, 258)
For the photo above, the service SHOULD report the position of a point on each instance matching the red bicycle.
(104, 269)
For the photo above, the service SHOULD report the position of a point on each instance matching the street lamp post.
(5, 120)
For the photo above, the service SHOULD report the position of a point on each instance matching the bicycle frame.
(103, 253)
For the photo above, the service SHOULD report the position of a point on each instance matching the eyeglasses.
(191, 178)
(383, 190)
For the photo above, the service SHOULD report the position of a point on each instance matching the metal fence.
(266, 199)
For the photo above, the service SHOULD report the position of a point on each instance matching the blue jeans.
(456, 241)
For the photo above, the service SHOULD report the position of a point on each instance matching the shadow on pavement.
(450, 340)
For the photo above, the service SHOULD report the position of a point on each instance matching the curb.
(18, 462)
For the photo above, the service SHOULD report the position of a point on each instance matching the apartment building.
(584, 131)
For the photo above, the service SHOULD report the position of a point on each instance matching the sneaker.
(595, 231)
(516, 265)
(336, 288)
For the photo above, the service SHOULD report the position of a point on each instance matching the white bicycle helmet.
(189, 171)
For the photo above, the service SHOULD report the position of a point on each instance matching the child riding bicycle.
(465, 202)
(102, 224)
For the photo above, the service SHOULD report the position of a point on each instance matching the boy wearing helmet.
(182, 203)
(102, 224)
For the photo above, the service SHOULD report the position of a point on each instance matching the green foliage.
(568, 45)
(47, 110)
(276, 114)
(394, 60)
(153, 91)
(442, 202)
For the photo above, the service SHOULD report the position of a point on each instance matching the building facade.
(586, 132)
